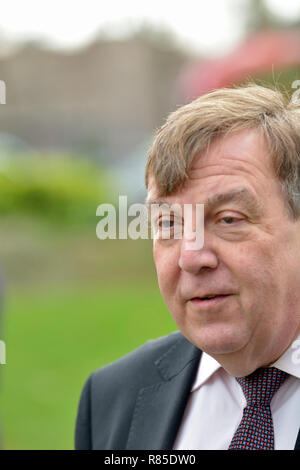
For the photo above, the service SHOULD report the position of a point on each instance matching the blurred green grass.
(54, 341)
(72, 304)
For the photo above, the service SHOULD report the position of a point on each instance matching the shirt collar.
(289, 362)
(208, 367)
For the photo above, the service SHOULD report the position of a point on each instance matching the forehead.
(237, 150)
(231, 160)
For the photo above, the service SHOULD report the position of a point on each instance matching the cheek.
(167, 268)
(257, 270)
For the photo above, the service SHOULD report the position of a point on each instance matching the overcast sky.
(205, 25)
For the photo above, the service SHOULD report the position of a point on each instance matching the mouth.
(210, 300)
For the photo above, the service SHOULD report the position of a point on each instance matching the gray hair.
(190, 129)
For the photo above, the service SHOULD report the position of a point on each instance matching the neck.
(243, 362)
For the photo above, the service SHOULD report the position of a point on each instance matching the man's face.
(250, 259)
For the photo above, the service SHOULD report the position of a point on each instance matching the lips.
(209, 296)
(209, 301)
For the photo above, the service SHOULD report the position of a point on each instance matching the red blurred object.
(260, 52)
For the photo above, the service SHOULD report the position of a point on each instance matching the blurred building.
(103, 99)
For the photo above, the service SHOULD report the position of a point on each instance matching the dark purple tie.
(255, 431)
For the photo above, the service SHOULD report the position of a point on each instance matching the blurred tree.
(59, 188)
(258, 16)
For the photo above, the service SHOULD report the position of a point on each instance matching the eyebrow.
(240, 195)
(160, 202)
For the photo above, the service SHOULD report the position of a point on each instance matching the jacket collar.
(159, 408)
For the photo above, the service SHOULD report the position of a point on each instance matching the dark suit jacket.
(138, 401)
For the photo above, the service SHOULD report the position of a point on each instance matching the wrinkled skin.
(251, 250)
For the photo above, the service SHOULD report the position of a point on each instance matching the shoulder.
(109, 394)
(140, 362)
(108, 398)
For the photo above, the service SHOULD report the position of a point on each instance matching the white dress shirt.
(215, 406)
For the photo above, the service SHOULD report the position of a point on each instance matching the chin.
(219, 340)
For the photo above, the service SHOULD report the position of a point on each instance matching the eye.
(166, 223)
(169, 227)
(231, 225)
(230, 219)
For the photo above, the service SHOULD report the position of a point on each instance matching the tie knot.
(260, 386)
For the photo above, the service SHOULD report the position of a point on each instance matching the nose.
(194, 260)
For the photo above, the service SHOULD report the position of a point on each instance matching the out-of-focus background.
(87, 84)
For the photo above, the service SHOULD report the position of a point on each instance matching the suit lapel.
(297, 446)
(160, 407)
